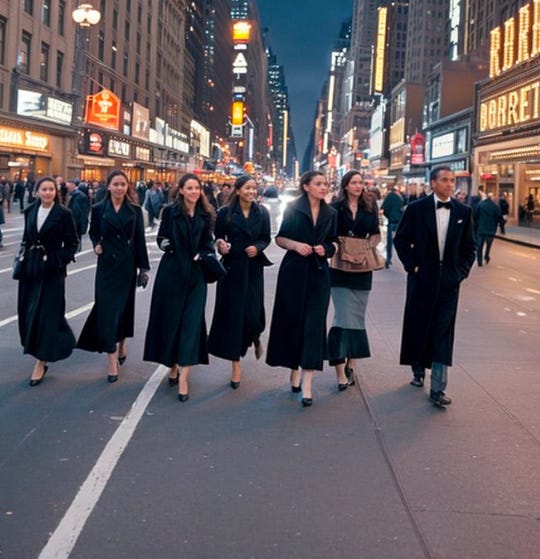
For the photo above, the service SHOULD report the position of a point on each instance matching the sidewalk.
(527, 236)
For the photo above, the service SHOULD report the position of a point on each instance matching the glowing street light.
(86, 15)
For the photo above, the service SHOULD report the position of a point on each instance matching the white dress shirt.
(443, 217)
(42, 216)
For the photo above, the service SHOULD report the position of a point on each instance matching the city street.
(96, 470)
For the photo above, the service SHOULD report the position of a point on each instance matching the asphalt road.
(92, 470)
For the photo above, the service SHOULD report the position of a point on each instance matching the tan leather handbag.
(358, 254)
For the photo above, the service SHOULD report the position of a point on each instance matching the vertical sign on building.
(380, 50)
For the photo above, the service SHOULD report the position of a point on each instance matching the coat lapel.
(50, 221)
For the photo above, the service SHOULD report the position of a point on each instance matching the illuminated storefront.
(507, 141)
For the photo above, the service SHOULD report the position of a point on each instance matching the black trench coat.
(176, 332)
(41, 304)
(121, 236)
(239, 317)
(298, 328)
(433, 289)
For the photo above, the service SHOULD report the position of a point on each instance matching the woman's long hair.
(306, 178)
(202, 202)
(365, 200)
(41, 180)
(233, 196)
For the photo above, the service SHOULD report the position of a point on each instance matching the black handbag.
(213, 270)
(18, 264)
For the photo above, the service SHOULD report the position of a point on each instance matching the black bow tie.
(446, 205)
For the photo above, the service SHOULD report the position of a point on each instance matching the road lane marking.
(64, 538)
(70, 314)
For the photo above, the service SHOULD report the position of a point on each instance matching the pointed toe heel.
(235, 384)
(112, 378)
(307, 402)
(183, 397)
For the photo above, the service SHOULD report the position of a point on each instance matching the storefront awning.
(93, 161)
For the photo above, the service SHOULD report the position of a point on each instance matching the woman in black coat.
(357, 216)
(117, 233)
(50, 241)
(176, 333)
(298, 329)
(242, 233)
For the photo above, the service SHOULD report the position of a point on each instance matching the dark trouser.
(488, 241)
(390, 230)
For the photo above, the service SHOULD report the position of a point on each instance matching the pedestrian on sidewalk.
(504, 207)
(79, 204)
(117, 234)
(308, 233)
(19, 191)
(392, 208)
(242, 233)
(487, 217)
(357, 216)
(435, 242)
(2, 218)
(176, 332)
(50, 242)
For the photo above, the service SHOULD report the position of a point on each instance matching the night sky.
(302, 33)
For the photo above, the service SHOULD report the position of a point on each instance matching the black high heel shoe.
(306, 402)
(235, 384)
(173, 381)
(122, 360)
(183, 397)
(35, 382)
(349, 373)
(293, 387)
(112, 378)
(343, 387)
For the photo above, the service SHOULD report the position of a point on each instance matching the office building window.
(125, 64)
(46, 13)
(61, 17)
(25, 52)
(3, 25)
(44, 63)
(28, 6)
(59, 69)
(113, 55)
(101, 46)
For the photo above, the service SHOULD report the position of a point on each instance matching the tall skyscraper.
(427, 38)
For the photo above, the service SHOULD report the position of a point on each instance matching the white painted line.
(80, 310)
(83, 269)
(68, 531)
(8, 320)
(70, 314)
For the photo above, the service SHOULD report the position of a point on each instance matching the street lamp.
(84, 15)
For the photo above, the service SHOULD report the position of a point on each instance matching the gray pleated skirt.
(347, 338)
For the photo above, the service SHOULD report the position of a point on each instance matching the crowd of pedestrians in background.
(196, 220)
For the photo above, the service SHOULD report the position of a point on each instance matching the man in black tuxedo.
(435, 242)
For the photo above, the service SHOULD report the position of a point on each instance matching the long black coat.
(432, 285)
(176, 332)
(121, 236)
(239, 317)
(298, 328)
(41, 304)
(79, 204)
(487, 217)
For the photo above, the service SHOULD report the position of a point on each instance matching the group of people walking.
(190, 232)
